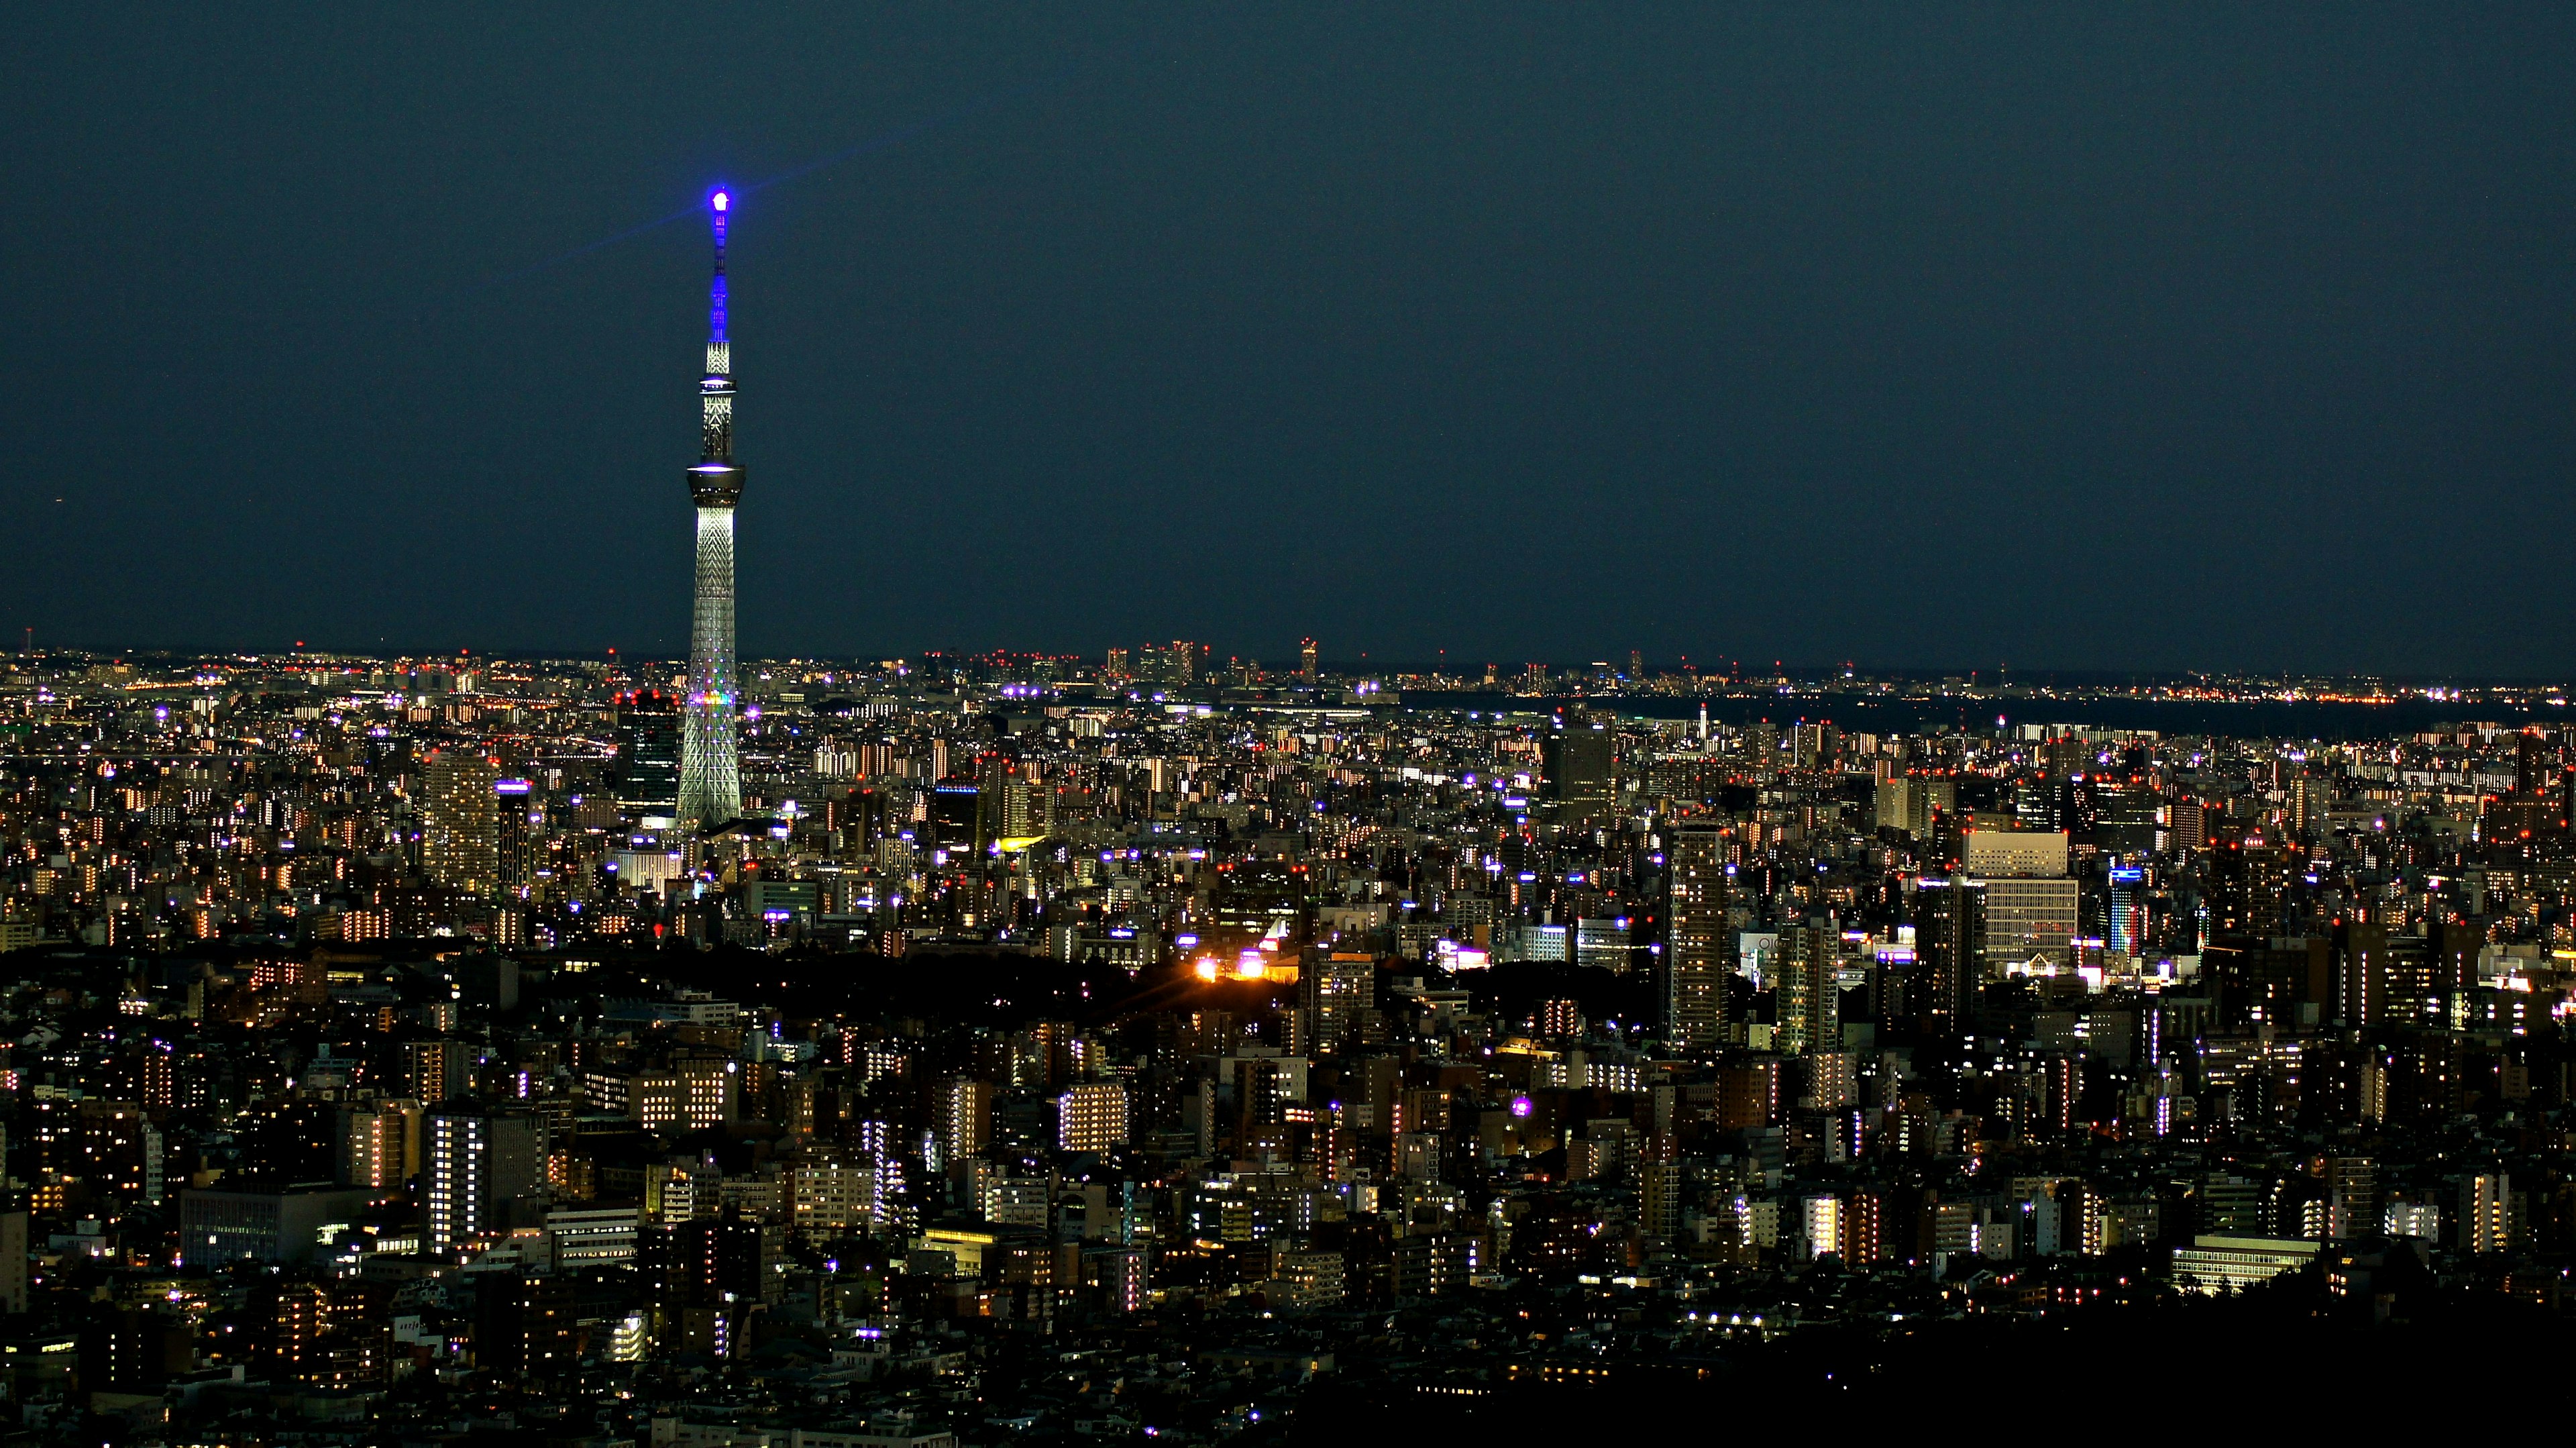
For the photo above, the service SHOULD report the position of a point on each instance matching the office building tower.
(264, 1225)
(476, 1164)
(519, 825)
(648, 754)
(1576, 763)
(2025, 854)
(460, 821)
(710, 771)
(2124, 821)
(1306, 661)
(2031, 919)
(1699, 953)
(2125, 917)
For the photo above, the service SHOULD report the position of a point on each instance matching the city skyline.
(1720, 674)
(1437, 725)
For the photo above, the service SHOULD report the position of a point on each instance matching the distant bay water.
(2249, 719)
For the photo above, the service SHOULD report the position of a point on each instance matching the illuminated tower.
(710, 771)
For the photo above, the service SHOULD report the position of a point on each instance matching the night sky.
(2117, 336)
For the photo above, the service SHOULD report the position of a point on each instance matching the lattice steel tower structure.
(710, 767)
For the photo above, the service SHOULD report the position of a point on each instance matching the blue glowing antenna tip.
(720, 201)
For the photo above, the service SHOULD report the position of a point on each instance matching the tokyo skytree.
(710, 767)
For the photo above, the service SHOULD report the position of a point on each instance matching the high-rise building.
(2026, 854)
(2352, 1197)
(831, 1197)
(2364, 970)
(434, 1069)
(2030, 919)
(1950, 942)
(1092, 1117)
(519, 821)
(1576, 763)
(718, 1261)
(1334, 989)
(383, 1145)
(648, 753)
(1306, 661)
(2124, 920)
(2486, 1212)
(476, 1164)
(2124, 820)
(1559, 1019)
(965, 1117)
(460, 815)
(1911, 804)
(1810, 990)
(2532, 762)
(1699, 953)
(710, 770)
(2309, 796)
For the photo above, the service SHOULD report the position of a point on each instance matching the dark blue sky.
(2065, 335)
